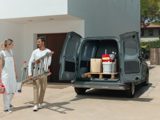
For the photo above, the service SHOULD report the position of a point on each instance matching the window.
(130, 47)
(150, 32)
(159, 32)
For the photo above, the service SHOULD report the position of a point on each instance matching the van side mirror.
(142, 54)
(140, 57)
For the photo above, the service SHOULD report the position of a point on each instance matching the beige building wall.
(24, 35)
(15, 32)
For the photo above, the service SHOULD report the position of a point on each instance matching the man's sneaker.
(35, 108)
(40, 106)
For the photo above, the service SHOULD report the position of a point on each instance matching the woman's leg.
(6, 101)
(10, 99)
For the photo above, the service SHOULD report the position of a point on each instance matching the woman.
(8, 74)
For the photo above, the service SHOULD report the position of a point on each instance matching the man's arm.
(50, 59)
(47, 61)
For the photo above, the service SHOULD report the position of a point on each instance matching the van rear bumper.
(101, 85)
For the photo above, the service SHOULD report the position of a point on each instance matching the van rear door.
(68, 57)
(130, 59)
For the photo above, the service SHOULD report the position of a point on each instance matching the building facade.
(150, 32)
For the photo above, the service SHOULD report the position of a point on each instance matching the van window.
(130, 47)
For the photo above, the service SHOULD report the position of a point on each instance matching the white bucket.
(109, 67)
(113, 67)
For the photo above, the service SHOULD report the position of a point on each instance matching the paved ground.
(63, 104)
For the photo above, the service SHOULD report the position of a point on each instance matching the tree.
(150, 8)
(144, 8)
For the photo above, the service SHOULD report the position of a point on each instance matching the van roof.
(103, 38)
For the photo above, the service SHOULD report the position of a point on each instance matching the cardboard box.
(96, 65)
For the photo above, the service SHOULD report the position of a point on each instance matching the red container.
(106, 58)
(2, 89)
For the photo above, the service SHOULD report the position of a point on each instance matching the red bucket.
(106, 58)
(2, 89)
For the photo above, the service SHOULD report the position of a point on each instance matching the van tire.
(80, 91)
(131, 91)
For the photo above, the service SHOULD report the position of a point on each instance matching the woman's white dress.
(8, 72)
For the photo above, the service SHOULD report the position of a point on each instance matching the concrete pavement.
(63, 104)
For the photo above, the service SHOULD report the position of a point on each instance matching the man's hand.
(52, 52)
(49, 72)
(30, 77)
(37, 61)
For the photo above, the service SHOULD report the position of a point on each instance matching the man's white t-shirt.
(36, 54)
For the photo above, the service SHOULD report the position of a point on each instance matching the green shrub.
(145, 47)
(151, 44)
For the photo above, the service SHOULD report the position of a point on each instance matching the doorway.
(55, 43)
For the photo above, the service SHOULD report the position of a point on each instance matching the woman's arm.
(1, 67)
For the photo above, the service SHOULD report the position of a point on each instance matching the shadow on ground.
(57, 106)
(116, 94)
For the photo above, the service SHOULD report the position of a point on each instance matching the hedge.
(145, 47)
(151, 44)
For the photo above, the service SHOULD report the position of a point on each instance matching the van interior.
(95, 49)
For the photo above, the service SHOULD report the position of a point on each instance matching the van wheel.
(80, 91)
(131, 91)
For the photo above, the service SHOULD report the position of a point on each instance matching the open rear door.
(68, 57)
(130, 60)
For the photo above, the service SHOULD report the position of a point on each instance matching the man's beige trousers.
(39, 88)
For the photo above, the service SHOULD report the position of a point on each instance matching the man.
(39, 85)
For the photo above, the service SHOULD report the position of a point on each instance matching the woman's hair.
(8, 42)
